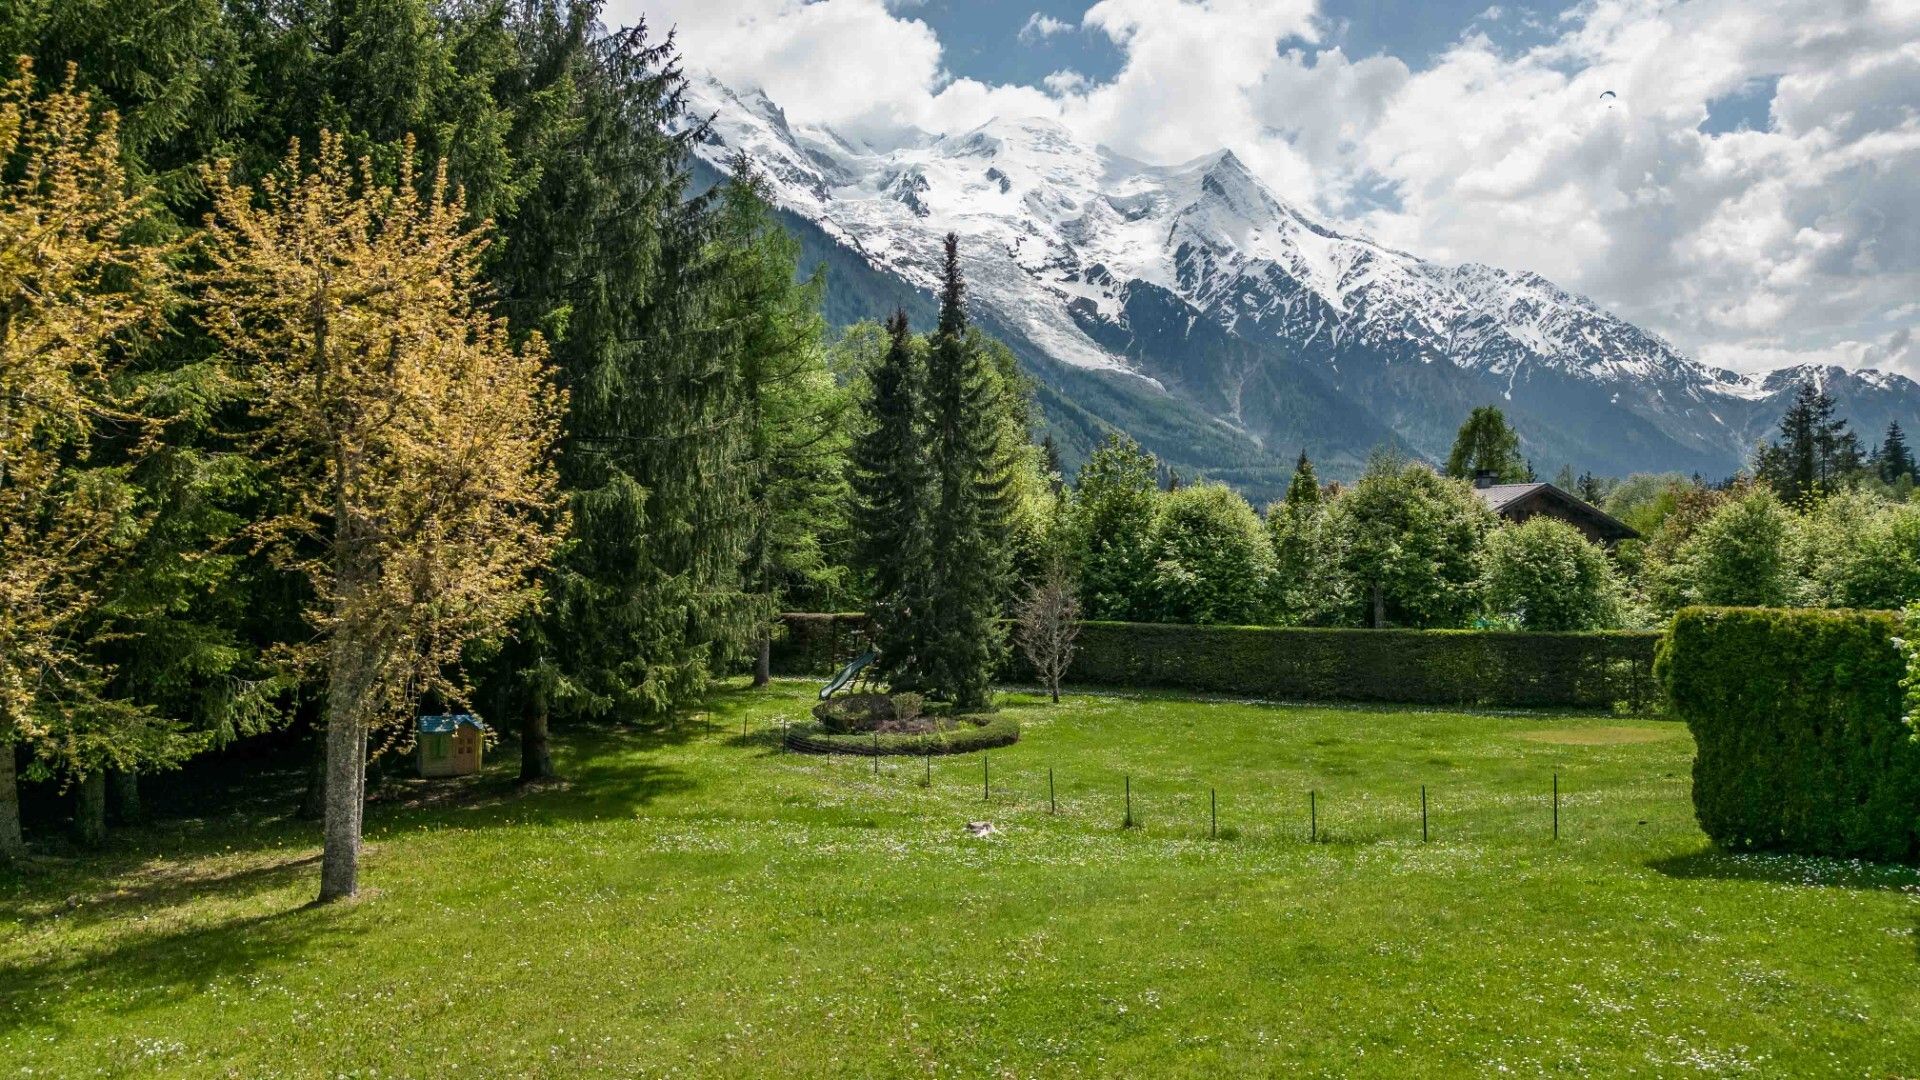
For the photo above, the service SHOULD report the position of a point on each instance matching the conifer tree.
(892, 482)
(972, 478)
(1894, 459)
(1815, 453)
(1304, 489)
(1309, 584)
(1051, 465)
(795, 411)
(610, 258)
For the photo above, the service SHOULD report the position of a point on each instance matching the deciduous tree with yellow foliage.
(414, 440)
(75, 287)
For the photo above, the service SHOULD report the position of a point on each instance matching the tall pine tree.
(795, 409)
(1304, 489)
(1815, 454)
(628, 275)
(972, 478)
(1894, 459)
(892, 483)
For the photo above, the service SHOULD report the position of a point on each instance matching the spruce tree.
(1895, 458)
(971, 480)
(1815, 452)
(1304, 489)
(630, 277)
(1056, 472)
(892, 481)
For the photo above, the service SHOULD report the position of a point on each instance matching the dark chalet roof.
(1518, 502)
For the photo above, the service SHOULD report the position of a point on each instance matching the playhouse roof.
(446, 722)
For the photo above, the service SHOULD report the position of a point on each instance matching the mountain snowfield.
(1169, 299)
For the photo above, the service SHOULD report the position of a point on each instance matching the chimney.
(1484, 478)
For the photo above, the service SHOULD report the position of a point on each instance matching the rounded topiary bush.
(938, 735)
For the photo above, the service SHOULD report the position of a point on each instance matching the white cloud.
(1040, 27)
(1797, 242)
(1066, 81)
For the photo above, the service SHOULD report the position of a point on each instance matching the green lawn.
(699, 904)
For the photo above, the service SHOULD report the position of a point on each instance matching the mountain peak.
(1209, 287)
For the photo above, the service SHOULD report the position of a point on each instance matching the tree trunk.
(12, 845)
(763, 661)
(126, 796)
(346, 773)
(313, 801)
(1379, 607)
(90, 810)
(536, 760)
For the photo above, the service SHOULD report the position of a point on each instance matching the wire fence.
(1183, 805)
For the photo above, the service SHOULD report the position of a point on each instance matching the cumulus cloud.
(1796, 240)
(1040, 26)
(1066, 81)
(1749, 248)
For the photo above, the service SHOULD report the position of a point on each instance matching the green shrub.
(1544, 575)
(1740, 555)
(1213, 561)
(1802, 745)
(855, 712)
(974, 731)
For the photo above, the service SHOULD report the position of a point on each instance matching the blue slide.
(846, 674)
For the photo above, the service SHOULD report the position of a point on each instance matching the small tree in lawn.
(412, 440)
(1048, 622)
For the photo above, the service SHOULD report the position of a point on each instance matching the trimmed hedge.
(969, 734)
(1596, 670)
(1797, 714)
(1422, 667)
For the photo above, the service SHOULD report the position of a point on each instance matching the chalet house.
(1518, 502)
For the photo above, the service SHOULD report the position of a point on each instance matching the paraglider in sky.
(1605, 94)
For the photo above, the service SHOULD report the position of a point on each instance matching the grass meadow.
(691, 901)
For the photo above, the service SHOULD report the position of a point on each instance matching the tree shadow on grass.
(158, 968)
(605, 772)
(1780, 869)
(156, 886)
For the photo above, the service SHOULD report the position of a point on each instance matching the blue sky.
(983, 39)
(1748, 194)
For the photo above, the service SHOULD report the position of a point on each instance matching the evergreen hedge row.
(1422, 667)
(1427, 667)
(1797, 714)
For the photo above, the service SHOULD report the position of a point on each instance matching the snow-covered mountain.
(1227, 329)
